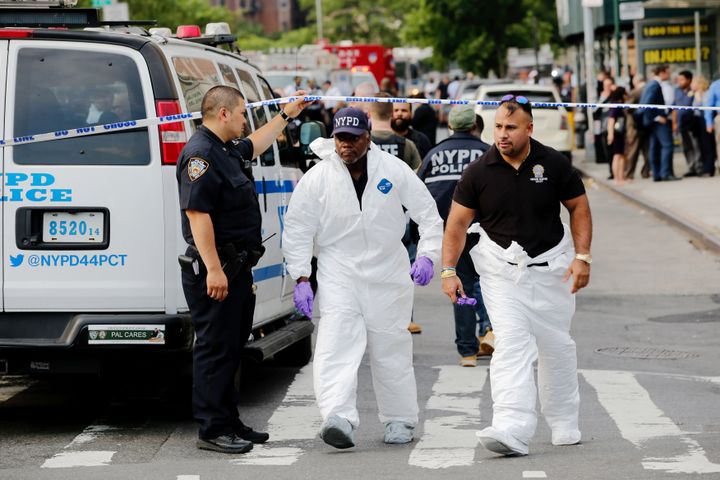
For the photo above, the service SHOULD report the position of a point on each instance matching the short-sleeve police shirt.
(211, 179)
(521, 205)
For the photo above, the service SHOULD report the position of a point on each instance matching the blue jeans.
(468, 319)
(661, 151)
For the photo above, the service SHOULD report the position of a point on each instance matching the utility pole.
(319, 20)
(618, 61)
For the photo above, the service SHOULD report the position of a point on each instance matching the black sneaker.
(225, 444)
(247, 433)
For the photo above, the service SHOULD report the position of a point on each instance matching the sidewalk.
(692, 204)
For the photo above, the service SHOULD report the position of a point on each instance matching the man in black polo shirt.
(524, 258)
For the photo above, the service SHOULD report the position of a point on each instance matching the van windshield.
(59, 89)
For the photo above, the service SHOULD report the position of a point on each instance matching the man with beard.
(364, 274)
(402, 125)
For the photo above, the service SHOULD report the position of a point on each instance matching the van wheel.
(297, 354)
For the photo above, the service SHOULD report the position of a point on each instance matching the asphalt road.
(646, 329)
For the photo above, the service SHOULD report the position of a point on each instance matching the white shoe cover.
(502, 443)
(337, 432)
(566, 438)
(398, 432)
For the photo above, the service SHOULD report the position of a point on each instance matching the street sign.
(101, 3)
(592, 3)
(632, 11)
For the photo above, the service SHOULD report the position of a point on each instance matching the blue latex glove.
(466, 301)
(422, 271)
(303, 297)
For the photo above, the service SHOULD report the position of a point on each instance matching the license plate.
(73, 227)
(126, 334)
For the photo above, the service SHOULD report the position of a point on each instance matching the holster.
(233, 259)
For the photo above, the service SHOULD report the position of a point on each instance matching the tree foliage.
(171, 13)
(362, 21)
(477, 34)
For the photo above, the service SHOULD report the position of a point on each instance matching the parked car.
(551, 125)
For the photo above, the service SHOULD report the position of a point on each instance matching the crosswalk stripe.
(82, 458)
(297, 419)
(640, 420)
(450, 440)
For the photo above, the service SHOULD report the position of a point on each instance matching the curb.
(706, 238)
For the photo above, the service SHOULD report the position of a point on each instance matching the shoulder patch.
(196, 168)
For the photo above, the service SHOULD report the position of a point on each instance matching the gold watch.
(585, 257)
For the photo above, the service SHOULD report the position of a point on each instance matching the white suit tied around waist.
(513, 263)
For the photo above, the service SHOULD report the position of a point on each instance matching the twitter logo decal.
(16, 261)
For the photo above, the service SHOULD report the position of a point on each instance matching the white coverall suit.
(365, 292)
(531, 308)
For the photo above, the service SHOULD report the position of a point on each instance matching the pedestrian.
(425, 119)
(402, 125)
(712, 120)
(440, 170)
(384, 137)
(684, 124)
(636, 136)
(221, 222)
(524, 257)
(700, 86)
(364, 89)
(659, 127)
(403, 148)
(616, 136)
(600, 119)
(349, 207)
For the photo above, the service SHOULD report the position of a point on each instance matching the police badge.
(539, 172)
(196, 168)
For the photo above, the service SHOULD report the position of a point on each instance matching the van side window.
(247, 86)
(196, 76)
(228, 76)
(289, 136)
(59, 90)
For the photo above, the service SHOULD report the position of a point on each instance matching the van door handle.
(264, 187)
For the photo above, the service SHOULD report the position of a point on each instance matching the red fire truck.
(373, 58)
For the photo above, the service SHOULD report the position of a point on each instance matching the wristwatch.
(286, 117)
(585, 257)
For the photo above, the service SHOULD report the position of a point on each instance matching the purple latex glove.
(422, 271)
(303, 297)
(466, 301)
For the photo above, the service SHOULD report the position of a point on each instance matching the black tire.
(297, 354)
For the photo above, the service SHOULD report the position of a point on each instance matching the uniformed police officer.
(440, 170)
(221, 222)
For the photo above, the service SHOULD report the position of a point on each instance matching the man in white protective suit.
(350, 207)
(525, 257)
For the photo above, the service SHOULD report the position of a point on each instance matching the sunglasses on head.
(519, 99)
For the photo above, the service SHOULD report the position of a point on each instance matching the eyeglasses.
(523, 102)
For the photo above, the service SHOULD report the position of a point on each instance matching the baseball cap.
(350, 120)
(461, 118)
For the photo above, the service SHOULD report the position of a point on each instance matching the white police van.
(90, 229)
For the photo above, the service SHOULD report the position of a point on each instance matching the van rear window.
(61, 89)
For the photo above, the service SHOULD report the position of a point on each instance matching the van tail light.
(172, 135)
(564, 125)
